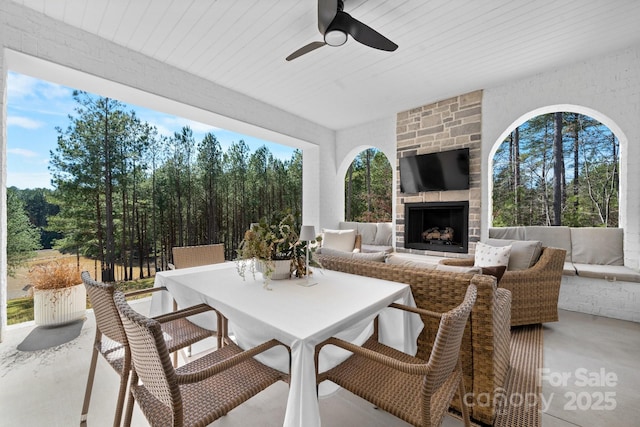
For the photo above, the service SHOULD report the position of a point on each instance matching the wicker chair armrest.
(458, 262)
(408, 368)
(416, 310)
(144, 291)
(185, 312)
(194, 377)
(550, 259)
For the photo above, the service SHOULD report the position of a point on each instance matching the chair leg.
(87, 393)
(130, 401)
(124, 380)
(463, 404)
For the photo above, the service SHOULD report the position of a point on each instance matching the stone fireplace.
(445, 125)
(437, 226)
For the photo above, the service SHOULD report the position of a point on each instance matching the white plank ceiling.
(447, 47)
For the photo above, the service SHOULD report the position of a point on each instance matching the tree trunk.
(516, 173)
(348, 214)
(108, 274)
(557, 169)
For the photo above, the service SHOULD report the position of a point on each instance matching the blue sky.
(36, 107)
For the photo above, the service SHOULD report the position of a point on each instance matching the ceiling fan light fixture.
(335, 37)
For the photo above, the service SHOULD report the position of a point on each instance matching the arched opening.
(368, 185)
(528, 187)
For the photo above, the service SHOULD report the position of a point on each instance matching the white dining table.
(338, 304)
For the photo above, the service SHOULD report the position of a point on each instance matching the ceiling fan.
(336, 25)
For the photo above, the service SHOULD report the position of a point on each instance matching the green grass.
(21, 309)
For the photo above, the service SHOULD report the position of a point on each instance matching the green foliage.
(368, 188)
(39, 207)
(523, 184)
(128, 195)
(23, 238)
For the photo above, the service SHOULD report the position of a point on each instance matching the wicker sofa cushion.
(459, 269)
(413, 261)
(595, 245)
(370, 256)
(524, 253)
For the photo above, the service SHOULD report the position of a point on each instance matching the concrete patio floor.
(582, 352)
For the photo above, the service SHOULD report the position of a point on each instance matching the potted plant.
(59, 297)
(273, 248)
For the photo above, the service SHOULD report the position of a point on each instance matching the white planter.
(282, 269)
(53, 307)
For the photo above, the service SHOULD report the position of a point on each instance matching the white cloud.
(22, 152)
(24, 180)
(178, 123)
(168, 125)
(20, 86)
(24, 122)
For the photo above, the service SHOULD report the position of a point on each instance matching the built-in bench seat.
(375, 236)
(595, 279)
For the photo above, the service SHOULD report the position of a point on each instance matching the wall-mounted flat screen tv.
(446, 170)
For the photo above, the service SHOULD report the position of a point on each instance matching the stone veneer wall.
(445, 125)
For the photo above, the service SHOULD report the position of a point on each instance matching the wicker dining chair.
(196, 393)
(194, 256)
(111, 341)
(417, 391)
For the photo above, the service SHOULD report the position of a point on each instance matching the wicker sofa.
(485, 348)
(534, 291)
(595, 279)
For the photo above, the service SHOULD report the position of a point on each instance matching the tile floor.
(593, 379)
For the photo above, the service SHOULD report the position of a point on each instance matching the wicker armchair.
(485, 350)
(194, 394)
(534, 291)
(111, 342)
(193, 256)
(415, 390)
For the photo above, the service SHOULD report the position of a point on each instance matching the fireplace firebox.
(437, 226)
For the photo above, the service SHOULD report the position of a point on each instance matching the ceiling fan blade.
(362, 32)
(326, 12)
(305, 49)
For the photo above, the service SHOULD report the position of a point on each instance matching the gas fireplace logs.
(434, 233)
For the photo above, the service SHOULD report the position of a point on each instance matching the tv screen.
(447, 170)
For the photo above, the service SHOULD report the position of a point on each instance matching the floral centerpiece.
(271, 242)
(59, 296)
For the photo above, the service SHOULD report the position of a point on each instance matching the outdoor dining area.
(301, 331)
(212, 347)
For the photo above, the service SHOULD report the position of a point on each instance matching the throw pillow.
(341, 240)
(489, 256)
(496, 271)
(524, 253)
